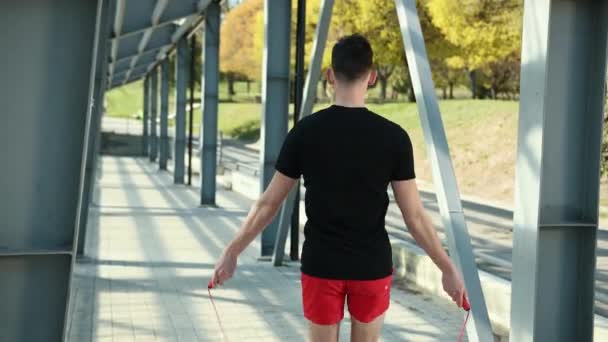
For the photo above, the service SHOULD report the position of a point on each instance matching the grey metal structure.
(209, 88)
(145, 31)
(275, 98)
(557, 183)
(181, 86)
(164, 115)
(314, 71)
(153, 114)
(93, 133)
(42, 181)
(446, 188)
(146, 115)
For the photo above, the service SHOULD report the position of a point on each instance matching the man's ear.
(373, 76)
(329, 76)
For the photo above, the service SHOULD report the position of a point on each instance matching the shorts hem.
(319, 322)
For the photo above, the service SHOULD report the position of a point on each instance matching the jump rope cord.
(463, 327)
(217, 315)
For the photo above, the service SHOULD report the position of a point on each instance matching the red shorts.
(323, 299)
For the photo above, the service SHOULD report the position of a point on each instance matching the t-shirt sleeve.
(403, 166)
(288, 162)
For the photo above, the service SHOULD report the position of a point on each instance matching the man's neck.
(349, 99)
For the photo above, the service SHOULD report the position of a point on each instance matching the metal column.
(312, 79)
(153, 114)
(446, 188)
(93, 133)
(145, 117)
(48, 65)
(556, 196)
(181, 97)
(209, 83)
(164, 115)
(275, 98)
(297, 104)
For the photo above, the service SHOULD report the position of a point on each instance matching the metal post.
(145, 117)
(46, 89)
(164, 115)
(191, 119)
(299, 88)
(153, 114)
(557, 183)
(275, 98)
(95, 126)
(448, 196)
(181, 86)
(210, 79)
(314, 71)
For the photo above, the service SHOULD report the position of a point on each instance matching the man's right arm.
(422, 230)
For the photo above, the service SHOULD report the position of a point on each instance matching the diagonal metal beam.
(448, 196)
(147, 57)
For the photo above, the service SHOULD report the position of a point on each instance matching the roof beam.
(146, 57)
(155, 39)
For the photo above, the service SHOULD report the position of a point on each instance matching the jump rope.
(465, 305)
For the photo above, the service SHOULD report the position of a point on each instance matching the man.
(347, 155)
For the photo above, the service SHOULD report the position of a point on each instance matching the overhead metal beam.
(131, 79)
(181, 97)
(209, 85)
(145, 59)
(149, 40)
(558, 162)
(174, 11)
(164, 115)
(446, 188)
(275, 98)
(46, 93)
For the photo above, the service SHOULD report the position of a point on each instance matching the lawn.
(482, 134)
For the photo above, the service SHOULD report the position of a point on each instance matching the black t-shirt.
(347, 156)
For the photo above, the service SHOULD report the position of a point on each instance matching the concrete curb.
(412, 264)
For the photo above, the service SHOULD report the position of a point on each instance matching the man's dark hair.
(351, 57)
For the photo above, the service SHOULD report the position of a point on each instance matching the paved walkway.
(151, 250)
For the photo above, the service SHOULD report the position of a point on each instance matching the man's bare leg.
(323, 333)
(366, 332)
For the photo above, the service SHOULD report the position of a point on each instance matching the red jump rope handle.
(465, 304)
(210, 285)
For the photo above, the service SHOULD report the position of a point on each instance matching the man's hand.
(454, 286)
(224, 269)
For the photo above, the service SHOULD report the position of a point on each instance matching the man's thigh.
(366, 332)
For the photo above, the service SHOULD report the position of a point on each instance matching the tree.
(485, 31)
(238, 58)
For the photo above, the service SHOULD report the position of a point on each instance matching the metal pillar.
(448, 196)
(164, 115)
(314, 71)
(556, 196)
(153, 114)
(210, 79)
(191, 103)
(181, 86)
(275, 98)
(298, 91)
(46, 93)
(145, 118)
(93, 133)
